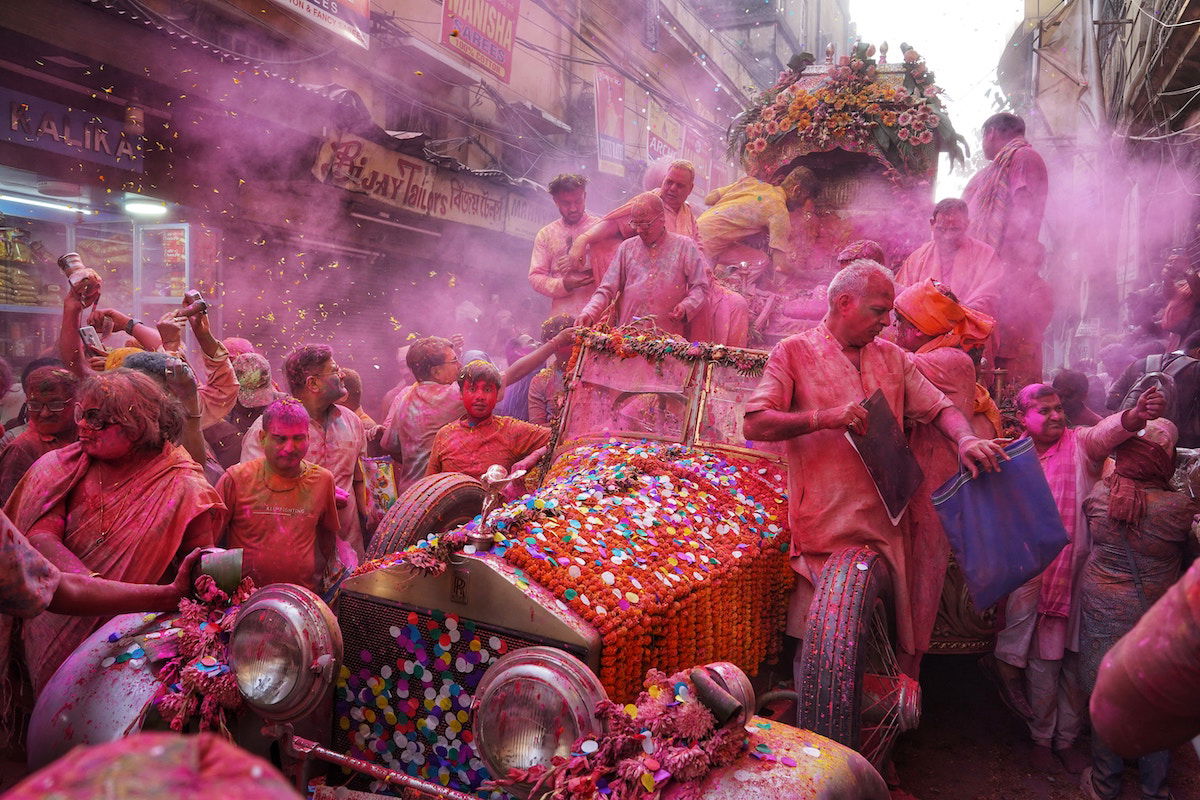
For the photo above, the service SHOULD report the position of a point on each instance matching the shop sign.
(350, 19)
(528, 214)
(483, 32)
(419, 187)
(664, 134)
(460, 197)
(610, 121)
(38, 123)
(357, 165)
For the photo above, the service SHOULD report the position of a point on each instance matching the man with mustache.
(811, 393)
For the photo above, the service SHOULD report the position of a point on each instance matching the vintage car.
(478, 643)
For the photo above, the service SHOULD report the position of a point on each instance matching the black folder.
(888, 458)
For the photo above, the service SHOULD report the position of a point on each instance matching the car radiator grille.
(404, 693)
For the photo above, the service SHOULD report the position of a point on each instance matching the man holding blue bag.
(1041, 634)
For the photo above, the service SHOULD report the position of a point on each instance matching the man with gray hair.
(656, 273)
(811, 394)
(599, 243)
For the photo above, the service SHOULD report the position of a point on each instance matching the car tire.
(434, 504)
(847, 636)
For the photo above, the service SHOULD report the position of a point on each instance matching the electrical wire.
(1150, 16)
(222, 48)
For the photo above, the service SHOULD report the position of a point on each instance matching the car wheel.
(852, 690)
(434, 504)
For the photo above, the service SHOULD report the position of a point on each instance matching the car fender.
(787, 763)
(91, 699)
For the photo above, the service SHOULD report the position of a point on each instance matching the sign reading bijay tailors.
(39, 123)
(483, 32)
(350, 19)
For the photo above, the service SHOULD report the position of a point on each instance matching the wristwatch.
(129, 326)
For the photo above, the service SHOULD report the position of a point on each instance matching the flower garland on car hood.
(676, 556)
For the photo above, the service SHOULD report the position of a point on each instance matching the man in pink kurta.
(655, 273)
(1041, 634)
(937, 332)
(548, 274)
(810, 395)
(966, 265)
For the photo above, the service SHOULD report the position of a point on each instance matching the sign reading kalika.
(483, 32)
(610, 121)
(350, 19)
(38, 123)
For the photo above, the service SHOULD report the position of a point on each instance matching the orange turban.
(932, 311)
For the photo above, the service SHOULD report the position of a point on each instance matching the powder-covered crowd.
(119, 460)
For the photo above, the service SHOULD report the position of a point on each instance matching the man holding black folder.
(810, 396)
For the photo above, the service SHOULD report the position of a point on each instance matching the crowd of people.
(119, 461)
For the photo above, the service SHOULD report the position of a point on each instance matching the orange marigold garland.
(677, 556)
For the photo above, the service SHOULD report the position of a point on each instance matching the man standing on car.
(810, 395)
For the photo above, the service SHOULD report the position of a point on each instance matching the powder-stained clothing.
(953, 373)
(416, 415)
(547, 394)
(723, 318)
(128, 526)
(28, 581)
(547, 265)
(220, 391)
(471, 448)
(18, 456)
(644, 281)
(1147, 695)
(974, 274)
(337, 445)
(1109, 599)
(1028, 633)
(1006, 200)
(601, 254)
(285, 525)
(832, 500)
(742, 209)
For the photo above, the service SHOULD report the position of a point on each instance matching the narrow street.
(970, 747)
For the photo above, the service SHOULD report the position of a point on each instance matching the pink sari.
(151, 514)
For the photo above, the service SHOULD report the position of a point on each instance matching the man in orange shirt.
(479, 439)
(282, 509)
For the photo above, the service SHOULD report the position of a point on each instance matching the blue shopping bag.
(1003, 526)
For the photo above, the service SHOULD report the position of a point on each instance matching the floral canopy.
(891, 112)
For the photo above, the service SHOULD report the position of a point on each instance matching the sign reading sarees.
(483, 32)
(419, 187)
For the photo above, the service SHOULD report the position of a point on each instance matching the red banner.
(610, 121)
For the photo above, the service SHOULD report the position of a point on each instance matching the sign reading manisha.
(483, 32)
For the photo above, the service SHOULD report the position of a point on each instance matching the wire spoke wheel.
(851, 687)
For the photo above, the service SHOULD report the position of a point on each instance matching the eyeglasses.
(54, 408)
(638, 225)
(334, 370)
(453, 360)
(92, 417)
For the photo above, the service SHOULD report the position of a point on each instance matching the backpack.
(1162, 376)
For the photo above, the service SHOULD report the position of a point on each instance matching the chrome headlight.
(284, 650)
(532, 705)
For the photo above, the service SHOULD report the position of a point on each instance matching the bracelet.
(814, 422)
(129, 326)
(195, 416)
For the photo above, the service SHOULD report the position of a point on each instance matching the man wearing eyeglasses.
(51, 405)
(655, 274)
(336, 436)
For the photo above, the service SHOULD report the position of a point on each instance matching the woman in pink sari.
(120, 504)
